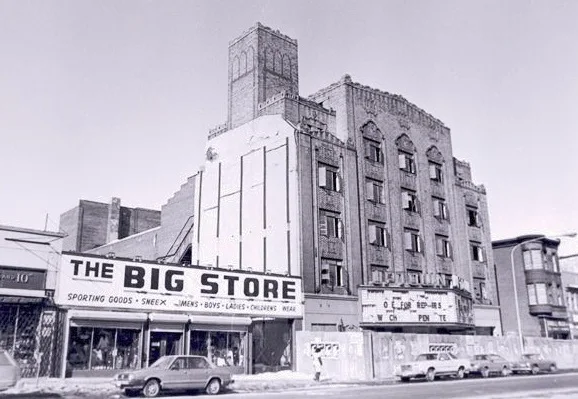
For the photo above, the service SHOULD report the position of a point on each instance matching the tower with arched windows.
(262, 63)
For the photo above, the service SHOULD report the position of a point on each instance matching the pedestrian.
(317, 362)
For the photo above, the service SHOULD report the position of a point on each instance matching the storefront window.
(164, 343)
(18, 334)
(103, 348)
(222, 348)
(271, 345)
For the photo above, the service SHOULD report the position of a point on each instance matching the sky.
(115, 98)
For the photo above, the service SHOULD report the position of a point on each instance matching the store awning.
(106, 315)
(23, 293)
(230, 320)
(168, 317)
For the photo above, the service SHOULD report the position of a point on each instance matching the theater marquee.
(112, 283)
(415, 306)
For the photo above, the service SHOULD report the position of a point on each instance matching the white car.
(9, 371)
(430, 365)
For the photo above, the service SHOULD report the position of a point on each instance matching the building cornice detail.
(259, 25)
(376, 101)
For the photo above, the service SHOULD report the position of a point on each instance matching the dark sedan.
(175, 373)
(534, 363)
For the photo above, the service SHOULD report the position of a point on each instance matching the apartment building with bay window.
(538, 286)
(354, 189)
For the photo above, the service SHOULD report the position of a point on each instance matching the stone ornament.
(370, 130)
(434, 154)
(403, 123)
(211, 154)
(403, 142)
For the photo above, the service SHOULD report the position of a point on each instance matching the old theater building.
(353, 192)
(355, 188)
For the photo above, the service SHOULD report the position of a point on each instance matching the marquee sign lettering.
(388, 305)
(112, 283)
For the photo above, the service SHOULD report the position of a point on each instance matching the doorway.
(164, 343)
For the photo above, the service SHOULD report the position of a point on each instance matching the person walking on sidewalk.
(317, 362)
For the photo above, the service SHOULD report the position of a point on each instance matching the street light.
(513, 250)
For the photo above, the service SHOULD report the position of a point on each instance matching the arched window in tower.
(286, 67)
(436, 161)
(277, 66)
(235, 67)
(372, 141)
(243, 69)
(268, 58)
(406, 154)
(250, 58)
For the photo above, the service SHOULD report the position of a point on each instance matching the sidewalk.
(564, 393)
(277, 381)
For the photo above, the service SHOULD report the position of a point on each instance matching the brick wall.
(395, 124)
(530, 324)
(93, 225)
(262, 63)
(174, 215)
(69, 224)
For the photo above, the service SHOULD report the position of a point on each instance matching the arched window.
(286, 67)
(250, 58)
(243, 69)
(435, 161)
(268, 58)
(406, 154)
(236, 67)
(277, 63)
(372, 141)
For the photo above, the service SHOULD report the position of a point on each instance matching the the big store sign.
(112, 283)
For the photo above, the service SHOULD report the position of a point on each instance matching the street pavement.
(550, 386)
(556, 386)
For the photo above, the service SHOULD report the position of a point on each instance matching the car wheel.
(553, 368)
(404, 379)
(535, 369)
(431, 374)
(485, 372)
(461, 373)
(506, 372)
(213, 387)
(152, 388)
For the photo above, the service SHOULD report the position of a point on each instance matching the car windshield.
(162, 363)
(427, 356)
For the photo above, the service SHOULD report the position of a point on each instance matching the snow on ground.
(84, 386)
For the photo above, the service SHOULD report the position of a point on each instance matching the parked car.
(534, 363)
(174, 373)
(488, 364)
(433, 364)
(9, 370)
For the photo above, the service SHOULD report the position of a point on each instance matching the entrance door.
(164, 343)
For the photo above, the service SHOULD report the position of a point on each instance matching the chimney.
(113, 220)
